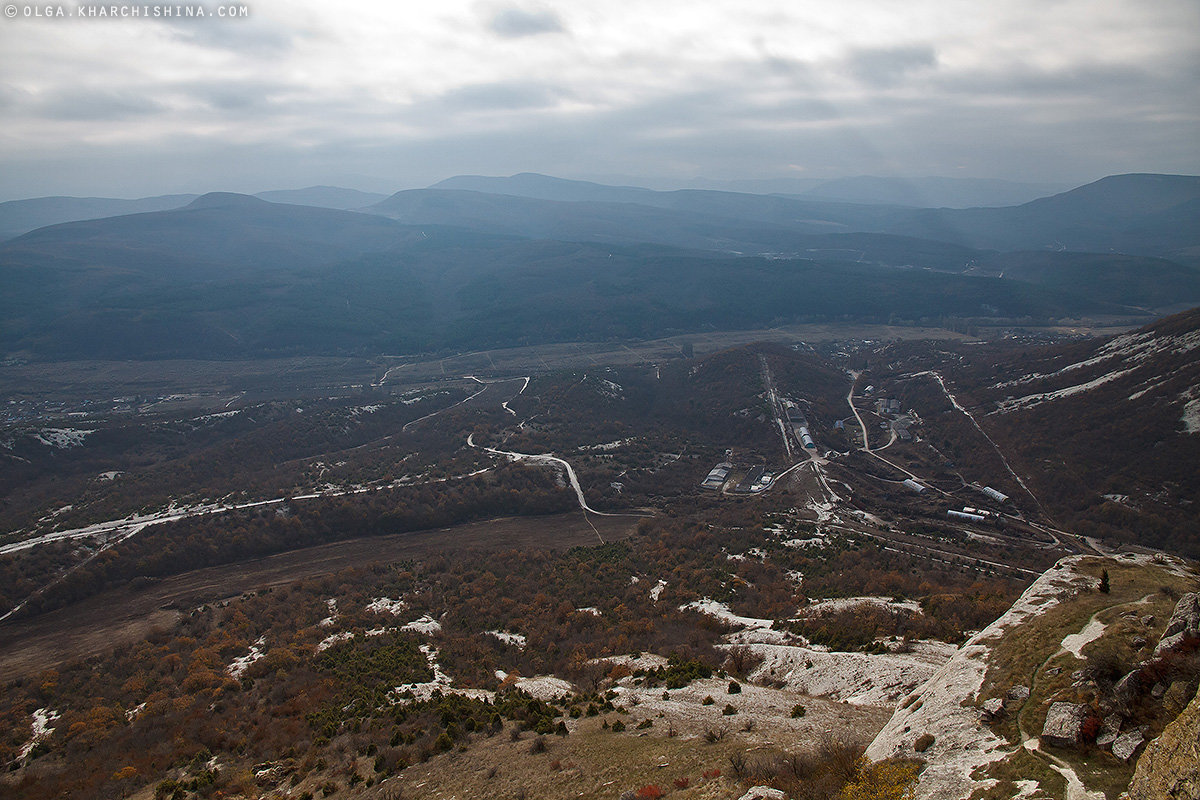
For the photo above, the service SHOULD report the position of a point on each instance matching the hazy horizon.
(382, 97)
(747, 185)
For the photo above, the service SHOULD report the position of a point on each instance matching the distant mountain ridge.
(1112, 214)
(428, 270)
(324, 197)
(931, 192)
(22, 216)
(546, 187)
(1137, 214)
(234, 275)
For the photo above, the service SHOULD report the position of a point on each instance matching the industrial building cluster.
(968, 513)
(893, 417)
(727, 477)
(799, 425)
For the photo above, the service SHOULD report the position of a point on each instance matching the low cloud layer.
(385, 96)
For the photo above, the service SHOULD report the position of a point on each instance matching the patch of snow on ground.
(332, 639)
(1075, 642)
(1191, 416)
(867, 516)
(544, 687)
(796, 576)
(515, 639)
(41, 729)
(721, 611)
(595, 612)
(1004, 406)
(1026, 789)
(753, 630)
(608, 445)
(240, 664)
(331, 604)
(843, 603)
(62, 438)
(1133, 348)
(610, 389)
(365, 410)
(426, 625)
(60, 511)
(132, 713)
(441, 682)
(657, 590)
(794, 543)
(408, 401)
(857, 678)
(219, 415)
(1143, 392)
(646, 661)
(378, 631)
(384, 605)
(947, 700)
(823, 510)
(1075, 788)
(110, 475)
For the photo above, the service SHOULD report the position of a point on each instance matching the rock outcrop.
(1127, 744)
(1017, 694)
(1183, 629)
(994, 709)
(1064, 724)
(763, 793)
(1169, 769)
(947, 707)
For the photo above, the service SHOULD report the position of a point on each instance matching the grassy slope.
(1028, 655)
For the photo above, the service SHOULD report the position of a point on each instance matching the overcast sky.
(398, 94)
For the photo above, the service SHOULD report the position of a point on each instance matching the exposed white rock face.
(1127, 744)
(945, 705)
(1183, 627)
(1064, 724)
(763, 793)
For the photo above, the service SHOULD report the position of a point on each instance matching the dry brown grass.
(1030, 655)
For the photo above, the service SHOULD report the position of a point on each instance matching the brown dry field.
(215, 383)
(596, 764)
(120, 616)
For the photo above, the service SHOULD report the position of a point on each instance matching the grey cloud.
(887, 66)
(10, 96)
(512, 23)
(786, 67)
(502, 96)
(240, 35)
(1089, 80)
(240, 96)
(94, 104)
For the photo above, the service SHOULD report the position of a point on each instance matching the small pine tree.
(1104, 581)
